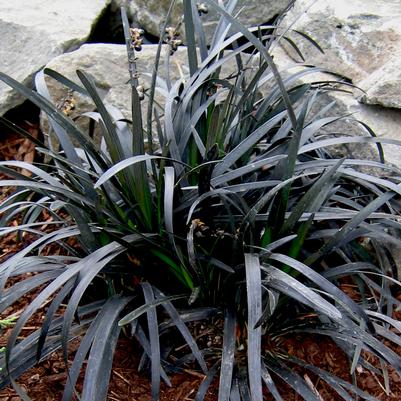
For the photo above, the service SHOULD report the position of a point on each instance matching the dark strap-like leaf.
(254, 298)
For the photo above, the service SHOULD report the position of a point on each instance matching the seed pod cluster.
(202, 8)
(173, 39)
(141, 92)
(67, 105)
(136, 38)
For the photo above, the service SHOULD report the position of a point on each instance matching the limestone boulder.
(150, 14)
(108, 65)
(383, 85)
(384, 122)
(33, 32)
(361, 40)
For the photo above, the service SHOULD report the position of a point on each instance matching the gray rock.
(361, 40)
(150, 14)
(384, 122)
(35, 31)
(108, 65)
(383, 85)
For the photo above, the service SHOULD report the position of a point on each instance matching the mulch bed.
(45, 381)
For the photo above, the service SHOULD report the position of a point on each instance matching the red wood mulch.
(45, 381)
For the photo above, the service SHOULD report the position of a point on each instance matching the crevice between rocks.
(27, 112)
(107, 28)
(25, 116)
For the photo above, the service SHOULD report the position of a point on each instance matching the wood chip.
(312, 387)
(122, 377)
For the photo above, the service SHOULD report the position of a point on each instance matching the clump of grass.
(236, 210)
(7, 322)
(4, 324)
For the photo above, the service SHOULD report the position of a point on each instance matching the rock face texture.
(108, 65)
(361, 41)
(150, 14)
(33, 32)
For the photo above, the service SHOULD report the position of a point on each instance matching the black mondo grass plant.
(217, 204)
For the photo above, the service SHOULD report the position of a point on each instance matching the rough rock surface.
(383, 85)
(107, 63)
(361, 40)
(33, 32)
(385, 122)
(150, 14)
